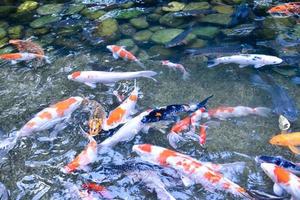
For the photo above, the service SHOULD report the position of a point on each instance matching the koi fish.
(50, 116)
(97, 188)
(87, 156)
(259, 195)
(281, 162)
(291, 140)
(170, 112)
(153, 182)
(15, 57)
(90, 78)
(180, 38)
(202, 134)
(175, 66)
(27, 46)
(192, 170)
(283, 180)
(127, 131)
(240, 14)
(283, 104)
(122, 113)
(120, 51)
(97, 118)
(220, 50)
(291, 9)
(258, 60)
(224, 113)
(188, 124)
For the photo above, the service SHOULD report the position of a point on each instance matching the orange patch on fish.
(45, 115)
(212, 177)
(226, 186)
(220, 110)
(11, 56)
(282, 175)
(62, 106)
(181, 125)
(93, 186)
(146, 147)
(30, 124)
(133, 97)
(115, 116)
(76, 74)
(163, 156)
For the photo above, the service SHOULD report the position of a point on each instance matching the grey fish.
(259, 195)
(283, 104)
(189, 13)
(240, 15)
(3, 192)
(179, 39)
(152, 182)
(220, 50)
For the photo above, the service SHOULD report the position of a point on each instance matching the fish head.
(147, 152)
(74, 75)
(268, 159)
(95, 126)
(277, 174)
(279, 11)
(280, 140)
(268, 168)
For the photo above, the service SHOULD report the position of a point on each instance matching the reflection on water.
(74, 36)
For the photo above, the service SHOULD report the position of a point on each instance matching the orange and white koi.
(91, 78)
(283, 180)
(15, 57)
(50, 116)
(175, 66)
(120, 51)
(27, 46)
(127, 131)
(122, 113)
(87, 156)
(192, 170)
(224, 113)
(188, 124)
(290, 140)
(291, 9)
(202, 134)
(97, 188)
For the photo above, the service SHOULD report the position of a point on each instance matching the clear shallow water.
(32, 169)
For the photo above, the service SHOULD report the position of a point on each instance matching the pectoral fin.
(13, 62)
(258, 66)
(186, 181)
(277, 190)
(115, 56)
(242, 66)
(294, 149)
(92, 85)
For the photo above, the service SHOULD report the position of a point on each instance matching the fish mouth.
(70, 77)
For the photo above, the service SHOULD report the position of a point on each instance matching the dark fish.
(281, 162)
(220, 50)
(283, 104)
(131, 166)
(194, 13)
(180, 39)
(259, 195)
(3, 192)
(240, 15)
(170, 112)
(296, 80)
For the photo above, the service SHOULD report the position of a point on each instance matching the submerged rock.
(173, 6)
(2, 33)
(6, 10)
(139, 23)
(166, 35)
(223, 9)
(128, 43)
(27, 6)
(108, 28)
(218, 19)
(74, 9)
(197, 6)
(50, 9)
(127, 29)
(153, 17)
(92, 14)
(15, 32)
(142, 36)
(198, 43)
(160, 50)
(3, 42)
(170, 20)
(42, 21)
(208, 32)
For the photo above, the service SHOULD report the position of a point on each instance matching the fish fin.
(231, 170)
(174, 138)
(242, 66)
(258, 66)
(294, 149)
(186, 181)
(140, 64)
(201, 104)
(277, 190)
(115, 56)
(186, 75)
(262, 111)
(212, 63)
(47, 59)
(92, 85)
(13, 62)
(145, 129)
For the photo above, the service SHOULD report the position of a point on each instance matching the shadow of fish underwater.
(283, 104)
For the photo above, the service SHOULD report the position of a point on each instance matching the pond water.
(74, 36)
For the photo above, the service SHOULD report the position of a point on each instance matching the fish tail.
(262, 111)
(185, 75)
(212, 63)
(174, 138)
(148, 74)
(203, 103)
(140, 64)
(294, 149)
